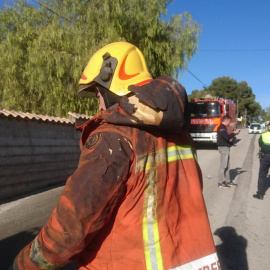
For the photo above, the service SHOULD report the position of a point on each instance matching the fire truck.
(206, 115)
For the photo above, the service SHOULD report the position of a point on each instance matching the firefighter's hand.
(236, 132)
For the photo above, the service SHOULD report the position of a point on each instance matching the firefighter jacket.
(135, 201)
(264, 142)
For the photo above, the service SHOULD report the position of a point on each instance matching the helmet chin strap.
(109, 97)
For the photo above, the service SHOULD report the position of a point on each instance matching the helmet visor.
(87, 90)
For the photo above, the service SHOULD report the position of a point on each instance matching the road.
(240, 223)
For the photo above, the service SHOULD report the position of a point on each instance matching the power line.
(207, 50)
(236, 50)
(196, 77)
(59, 15)
(233, 50)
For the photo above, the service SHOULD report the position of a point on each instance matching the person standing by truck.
(224, 142)
(263, 181)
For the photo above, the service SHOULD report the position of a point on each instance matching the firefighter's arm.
(88, 200)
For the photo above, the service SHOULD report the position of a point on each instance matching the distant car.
(255, 128)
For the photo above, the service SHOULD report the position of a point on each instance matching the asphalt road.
(240, 223)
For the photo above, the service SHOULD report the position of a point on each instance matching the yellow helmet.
(114, 67)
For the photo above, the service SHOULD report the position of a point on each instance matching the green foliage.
(44, 50)
(199, 94)
(223, 87)
(266, 114)
(229, 88)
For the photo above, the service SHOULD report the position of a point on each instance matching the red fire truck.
(206, 115)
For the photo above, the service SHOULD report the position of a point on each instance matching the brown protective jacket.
(135, 201)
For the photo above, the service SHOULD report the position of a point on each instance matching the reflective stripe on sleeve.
(38, 259)
(179, 152)
(172, 153)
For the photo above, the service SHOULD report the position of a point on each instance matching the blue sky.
(237, 33)
(234, 42)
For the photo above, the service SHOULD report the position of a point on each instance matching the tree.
(246, 100)
(229, 88)
(196, 94)
(223, 87)
(46, 47)
(266, 114)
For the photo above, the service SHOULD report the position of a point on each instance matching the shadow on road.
(235, 172)
(11, 246)
(232, 252)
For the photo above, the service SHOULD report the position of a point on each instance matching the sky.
(234, 42)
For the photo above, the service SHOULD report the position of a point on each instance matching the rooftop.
(71, 120)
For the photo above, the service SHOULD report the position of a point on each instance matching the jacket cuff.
(15, 265)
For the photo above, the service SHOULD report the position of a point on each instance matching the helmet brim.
(87, 91)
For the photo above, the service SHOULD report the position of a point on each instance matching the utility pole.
(246, 117)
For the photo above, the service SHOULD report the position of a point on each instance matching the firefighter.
(135, 200)
(263, 181)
